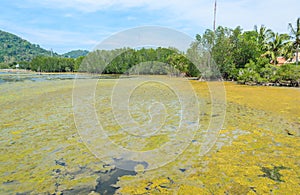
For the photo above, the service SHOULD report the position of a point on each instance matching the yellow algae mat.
(42, 151)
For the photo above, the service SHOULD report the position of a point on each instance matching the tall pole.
(215, 13)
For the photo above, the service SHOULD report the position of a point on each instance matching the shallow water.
(12, 77)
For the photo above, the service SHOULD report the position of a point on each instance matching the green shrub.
(4, 65)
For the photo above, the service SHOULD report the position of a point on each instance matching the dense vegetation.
(142, 61)
(120, 61)
(251, 56)
(54, 64)
(244, 56)
(16, 49)
(233, 54)
(75, 53)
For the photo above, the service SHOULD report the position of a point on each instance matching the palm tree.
(276, 45)
(263, 35)
(295, 34)
(287, 51)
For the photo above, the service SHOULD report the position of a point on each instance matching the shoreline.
(15, 70)
(41, 73)
(287, 84)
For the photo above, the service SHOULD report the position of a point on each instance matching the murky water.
(42, 77)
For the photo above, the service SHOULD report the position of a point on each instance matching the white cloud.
(275, 14)
(130, 18)
(147, 36)
(68, 15)
(189, 16)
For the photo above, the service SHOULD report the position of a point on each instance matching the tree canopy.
(15, 49)
(230, 54)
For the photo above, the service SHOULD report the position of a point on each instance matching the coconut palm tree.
(295, 34)
(263, 35)
(287, 51)
(276, 45)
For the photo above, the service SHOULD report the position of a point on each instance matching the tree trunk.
(297, 51)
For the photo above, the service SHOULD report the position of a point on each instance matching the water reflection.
(6, 77)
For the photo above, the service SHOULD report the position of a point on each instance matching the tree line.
(139, 61)
(252, 56)
(233, 54)
(119, 61)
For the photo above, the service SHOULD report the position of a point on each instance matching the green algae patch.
(273, 173)
(37, 132)
(155, 141)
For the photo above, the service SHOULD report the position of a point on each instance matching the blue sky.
(65, 25)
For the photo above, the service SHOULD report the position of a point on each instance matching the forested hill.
(15, 49)
(75, 53)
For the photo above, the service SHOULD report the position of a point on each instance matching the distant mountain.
(75, 53)
(14, 49)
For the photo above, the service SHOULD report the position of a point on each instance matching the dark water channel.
(107, 180)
